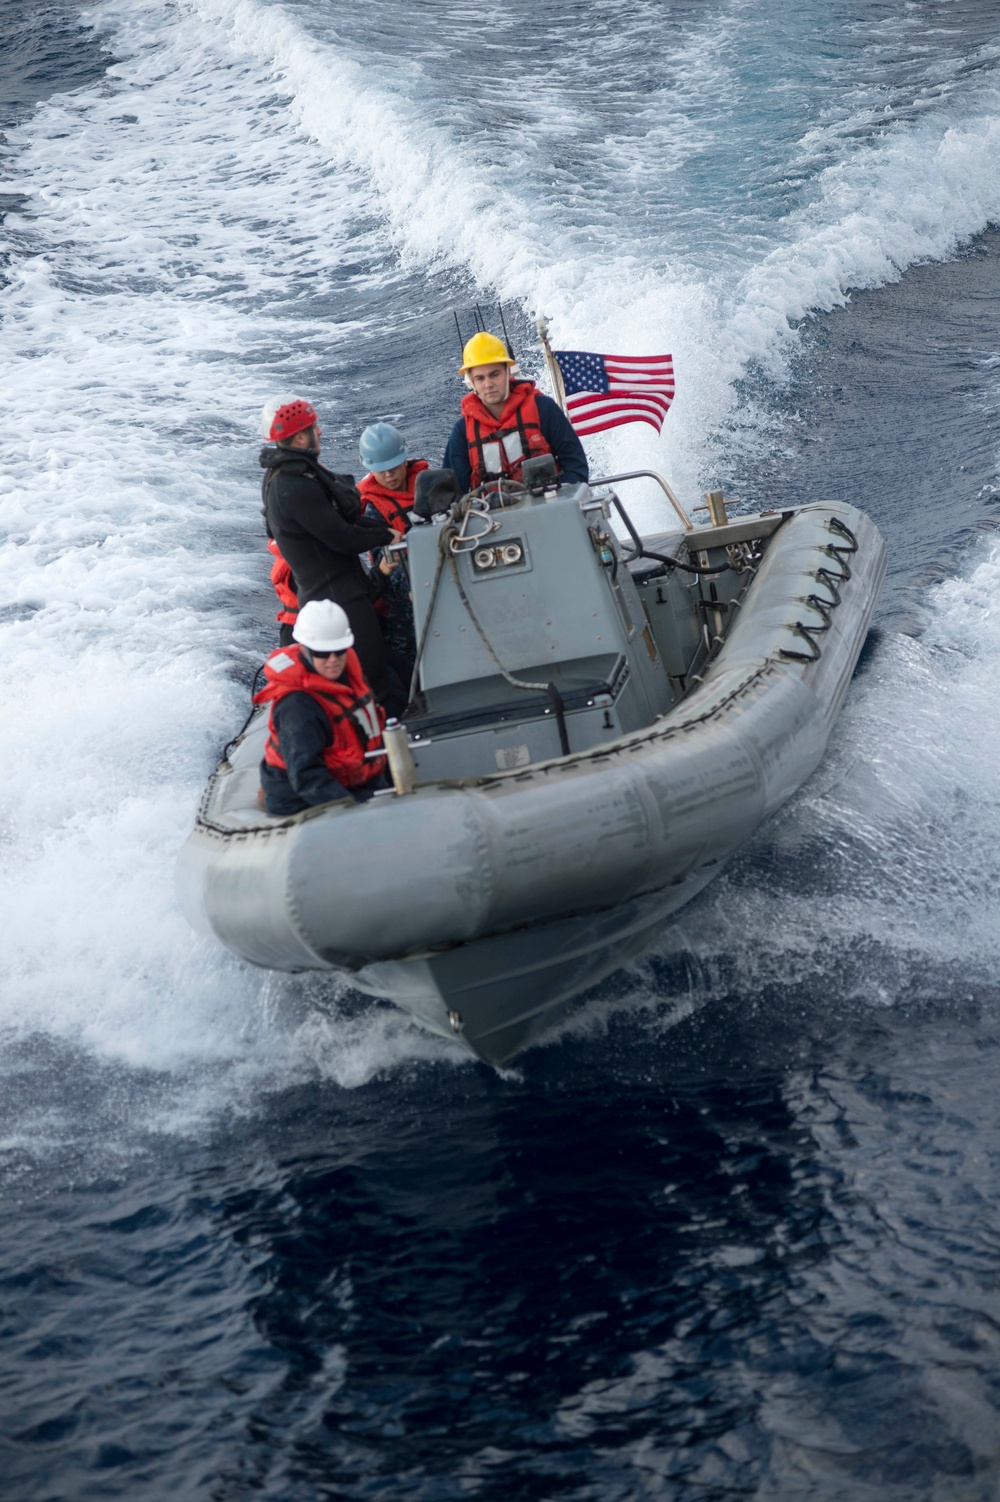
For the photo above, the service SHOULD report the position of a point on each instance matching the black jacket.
(315, 518)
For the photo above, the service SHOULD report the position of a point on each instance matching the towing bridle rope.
(824, 608)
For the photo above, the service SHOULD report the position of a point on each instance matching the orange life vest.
(500, 445)
(394, 505)
(284, 586)
(356, 720)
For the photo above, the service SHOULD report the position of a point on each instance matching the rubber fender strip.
(836, 525)
(804, 631)
(824, 576)
(253, 710)
(841, 553)
(825, 608)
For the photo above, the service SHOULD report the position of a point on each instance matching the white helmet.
(270, 410)
(323, 626)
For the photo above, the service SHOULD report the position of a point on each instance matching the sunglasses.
(340, 652)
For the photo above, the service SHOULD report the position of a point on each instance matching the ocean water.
(734, 1231)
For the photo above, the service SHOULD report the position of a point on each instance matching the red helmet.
(294, 417)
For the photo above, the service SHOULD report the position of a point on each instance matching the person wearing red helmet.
(315, 519)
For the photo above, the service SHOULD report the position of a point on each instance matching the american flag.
(604, 391)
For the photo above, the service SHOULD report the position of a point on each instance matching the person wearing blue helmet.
(389, 485)
(387, 491)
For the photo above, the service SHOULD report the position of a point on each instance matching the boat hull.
(485, 907)
(500, 994)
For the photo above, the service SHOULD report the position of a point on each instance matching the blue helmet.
(383, 446)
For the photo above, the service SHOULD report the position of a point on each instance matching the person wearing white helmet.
(315, 519)
(324, 718)
(505, 420)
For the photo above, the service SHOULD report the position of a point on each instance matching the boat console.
(541, 633)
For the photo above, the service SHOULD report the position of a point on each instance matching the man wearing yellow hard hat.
(505, 420)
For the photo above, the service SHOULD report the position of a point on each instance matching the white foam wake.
(916, 196)
(146, 312)
(896, 839)
(233, 168)
(722, 289)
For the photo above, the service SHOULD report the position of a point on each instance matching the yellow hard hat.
(484, 349)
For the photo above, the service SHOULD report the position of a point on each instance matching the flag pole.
(552, 364)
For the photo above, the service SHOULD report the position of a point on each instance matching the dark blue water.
(753, 1254)
(734, 1233)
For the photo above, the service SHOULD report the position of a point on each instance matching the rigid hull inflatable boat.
(599, 726)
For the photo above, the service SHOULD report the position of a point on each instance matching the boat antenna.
(503, 325)
(480, 322)
(551, 362)
(458, 331)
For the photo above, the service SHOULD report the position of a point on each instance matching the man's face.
(308, 438)
(490, 383)
(329, 665)
(392, 479)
